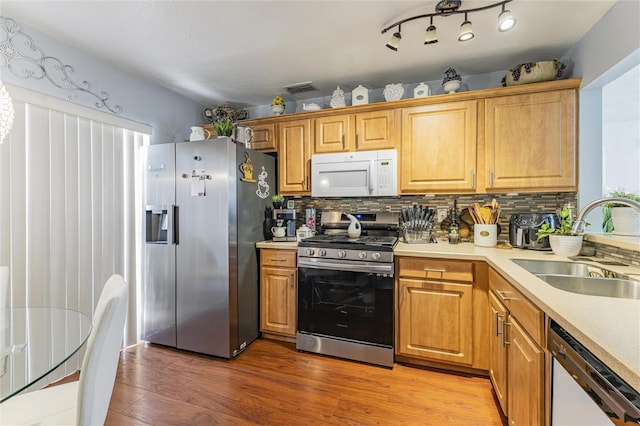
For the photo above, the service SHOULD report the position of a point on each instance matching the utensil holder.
(485, 235)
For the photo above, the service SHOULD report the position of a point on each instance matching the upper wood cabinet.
(356, 132)
(530, 142)
(264, 136)
(294, 157)
(438, 151)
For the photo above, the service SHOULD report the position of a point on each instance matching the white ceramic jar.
(360, 95)
(422, 90)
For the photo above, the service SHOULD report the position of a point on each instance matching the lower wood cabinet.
(278, 293)
(435, 320)
(517, 362)
(441, 308)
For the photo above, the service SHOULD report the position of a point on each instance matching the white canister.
(360, 95)
(485, 235)
(422, 90)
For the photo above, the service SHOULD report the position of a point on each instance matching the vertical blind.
(67, 205)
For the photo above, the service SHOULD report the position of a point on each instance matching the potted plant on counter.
(621, 219)
(563, 242)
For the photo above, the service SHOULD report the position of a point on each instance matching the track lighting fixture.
(395, 40)
(506, 21)
(445, 8)
(466, 31)
(431, 36)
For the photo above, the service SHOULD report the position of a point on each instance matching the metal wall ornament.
(20, 55)
(222, 113)
(6, 112)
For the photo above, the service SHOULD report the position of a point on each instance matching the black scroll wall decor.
(20, 55)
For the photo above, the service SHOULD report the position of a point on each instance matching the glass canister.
(310, 219)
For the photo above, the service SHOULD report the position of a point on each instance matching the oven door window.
(349, 305)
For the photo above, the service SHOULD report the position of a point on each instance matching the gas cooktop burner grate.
(363, 241)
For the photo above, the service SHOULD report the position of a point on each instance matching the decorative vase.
(626, 221)
(277, 109)
(565, 245)
(393, 92)
(278, 204)
(451, 86)
(451, 81)
(338, 100)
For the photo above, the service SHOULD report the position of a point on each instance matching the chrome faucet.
(578, 225)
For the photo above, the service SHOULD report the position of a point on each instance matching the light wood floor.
(272, 383)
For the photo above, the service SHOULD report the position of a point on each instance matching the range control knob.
(309, 252)
(375, 256)
(362, 255)
(342, 253)
(322, 252)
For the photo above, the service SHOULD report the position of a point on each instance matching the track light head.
(466, 30)
(506, 21)
(431, 36)
(394, 42)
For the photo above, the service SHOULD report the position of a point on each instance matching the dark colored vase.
(267, 223)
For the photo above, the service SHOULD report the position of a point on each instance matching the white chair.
(83, 402)
(4, 285)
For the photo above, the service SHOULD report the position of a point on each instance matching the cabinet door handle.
(501, 295)
(304, 183)
(473, 178)
(402, 290)
(504, 340)
(498, 316)
(344, 140)
(277, 259)
(357, 141)
(490, 177)
(291, 280)
(442, 271)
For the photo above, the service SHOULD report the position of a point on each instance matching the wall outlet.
(442, 214)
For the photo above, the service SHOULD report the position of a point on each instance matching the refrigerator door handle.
(173, 224)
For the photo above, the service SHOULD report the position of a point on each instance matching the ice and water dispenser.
(158, 223)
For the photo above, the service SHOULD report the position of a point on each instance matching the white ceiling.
(243, 53)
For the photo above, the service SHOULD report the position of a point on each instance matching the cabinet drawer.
(531, 318)
(436, 269)
(273, 257)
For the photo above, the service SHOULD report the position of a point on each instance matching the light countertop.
(608, 327)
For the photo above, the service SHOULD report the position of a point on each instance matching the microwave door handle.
(370, 176)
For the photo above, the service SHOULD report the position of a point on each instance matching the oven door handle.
(351, 267)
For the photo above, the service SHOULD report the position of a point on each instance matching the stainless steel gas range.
(346, 293)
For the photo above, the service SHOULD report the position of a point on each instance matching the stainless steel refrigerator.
(204, 206)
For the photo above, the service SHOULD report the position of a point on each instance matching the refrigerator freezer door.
(205, 205)
(158, 291)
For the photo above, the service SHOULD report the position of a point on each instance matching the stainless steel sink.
(576, 269)
(609, 287)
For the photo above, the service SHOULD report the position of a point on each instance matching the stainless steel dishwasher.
(584, 390)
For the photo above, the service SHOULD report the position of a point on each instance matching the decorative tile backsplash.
(510, 204)
(547, 202)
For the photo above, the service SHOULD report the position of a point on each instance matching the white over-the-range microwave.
(355, 174)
